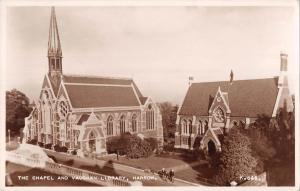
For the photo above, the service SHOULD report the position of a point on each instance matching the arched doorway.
(211, 148)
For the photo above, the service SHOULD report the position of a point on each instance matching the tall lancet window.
(122, 124)
(110, 126)
(190, 127)
(134, 123)
(150, 118)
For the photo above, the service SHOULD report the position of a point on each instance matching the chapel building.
(83, 112)
(210, 109)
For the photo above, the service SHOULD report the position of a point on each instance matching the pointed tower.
(54, 53)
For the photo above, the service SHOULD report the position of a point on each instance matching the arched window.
(63, 109)
(122, 124)
(205, 126)
(190, 127)
(133, 123)
(110, 126)
(200, 131)
(150, 118)
(183, 126)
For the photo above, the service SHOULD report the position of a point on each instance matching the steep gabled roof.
(95, 92)
(246, 97)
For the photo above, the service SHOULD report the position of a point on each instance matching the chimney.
(283, 62)
(283, 81)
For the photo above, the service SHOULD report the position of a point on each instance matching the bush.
(118, 144)
(63, 149)
(153, 143)
(57, 148)
(48, 146)
(138, 148)
(74, 152)
(33, 142)
(41, 144)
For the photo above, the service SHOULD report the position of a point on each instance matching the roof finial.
(54, 47)
(191, 78)
(231, 77)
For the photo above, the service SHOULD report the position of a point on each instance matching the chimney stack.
(283, 80)
(283, 62)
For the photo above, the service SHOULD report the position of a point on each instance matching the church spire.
(54, 47)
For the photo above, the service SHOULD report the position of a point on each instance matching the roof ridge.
(238, 80)
(95, 76)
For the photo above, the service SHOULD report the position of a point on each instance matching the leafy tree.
(261, 146)
(169, 114)
(17, 108)
(138, 148)
(235, 159)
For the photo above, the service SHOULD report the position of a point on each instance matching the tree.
(17, 108)
(235, 159)
(261, 146)
(169, 114)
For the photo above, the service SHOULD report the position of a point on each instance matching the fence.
(71, 172)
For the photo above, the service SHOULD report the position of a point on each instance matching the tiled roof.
(92, 92)
(96, 80)
(88, 96)
(246, 97)
(83, 118)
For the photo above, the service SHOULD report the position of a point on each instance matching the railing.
(72, 172)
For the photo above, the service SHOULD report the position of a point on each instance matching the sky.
(159, 46)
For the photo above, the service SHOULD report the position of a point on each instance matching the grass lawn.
(153, 162)
(200, 173)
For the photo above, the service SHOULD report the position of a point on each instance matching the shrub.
(40, 144)
(118, 144)
(74, 152)
(153, 143)
(138, 148)
(63, 149)
(33, 142)
(48, 146)
(57, 148)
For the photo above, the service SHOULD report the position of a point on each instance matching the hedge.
(33, 142)
(60, 149)
(131, 145)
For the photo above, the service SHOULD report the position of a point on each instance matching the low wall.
(60, 169)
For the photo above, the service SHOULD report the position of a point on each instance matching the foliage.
(58, 148)
(138, 148)
(131, 145)
(169, 114)
(261, 146)
(41, 144)
(17, 108)
(48, 146)
(74, 152)
(235, 159)
(32, 141)
(118, 144)
(153, 143)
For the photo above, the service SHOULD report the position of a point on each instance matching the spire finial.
(54, 47)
